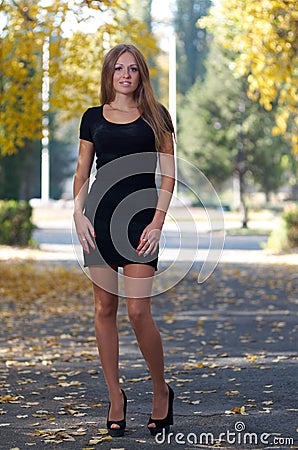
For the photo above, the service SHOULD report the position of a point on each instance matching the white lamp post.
(45, 157)
(172, 94)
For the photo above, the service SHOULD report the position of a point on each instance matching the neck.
(123, 103)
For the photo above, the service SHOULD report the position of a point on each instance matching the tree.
(62, 156)
(74, 65)
(262, 34)
(223, 132)
(192, 46)
(198, 121)
(20, 173)
(74, 69)
(141, 10)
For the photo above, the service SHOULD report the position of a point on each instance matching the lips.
(125, 83)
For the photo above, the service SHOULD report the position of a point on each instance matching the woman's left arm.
(151, 234)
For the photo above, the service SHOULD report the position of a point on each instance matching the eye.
(118, 68)
(134, 69)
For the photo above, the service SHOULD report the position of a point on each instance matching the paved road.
(172, 239)
(230, 353)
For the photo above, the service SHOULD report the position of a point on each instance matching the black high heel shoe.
(117, 432)
(165, 423)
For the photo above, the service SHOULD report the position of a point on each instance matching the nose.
(126, 72)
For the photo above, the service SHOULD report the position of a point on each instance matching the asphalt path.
(173, 239)
(230, 353)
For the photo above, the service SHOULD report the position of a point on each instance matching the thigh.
(138, 279)
(104, 279)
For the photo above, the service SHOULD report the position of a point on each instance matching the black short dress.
(123, 197)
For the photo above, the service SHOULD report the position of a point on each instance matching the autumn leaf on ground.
(232, 392)
(237, 410)
(9, 398)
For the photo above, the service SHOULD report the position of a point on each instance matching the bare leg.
(106, 306)
(138, 281)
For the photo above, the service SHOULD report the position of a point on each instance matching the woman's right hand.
(85, 231)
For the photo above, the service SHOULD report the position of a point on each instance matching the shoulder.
(89, 122)
(93, 111)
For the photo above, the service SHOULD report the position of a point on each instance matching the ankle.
(116, 397)
(115, 392)
(160, 388)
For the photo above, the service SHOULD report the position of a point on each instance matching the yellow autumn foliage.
(262, 34)
(76, 53)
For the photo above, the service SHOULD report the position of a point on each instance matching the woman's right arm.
(84, 228)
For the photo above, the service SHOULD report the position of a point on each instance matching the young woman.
(119, 221)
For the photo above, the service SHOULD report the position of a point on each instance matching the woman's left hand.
(149, 239)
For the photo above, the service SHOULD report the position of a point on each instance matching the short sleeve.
(85, 131)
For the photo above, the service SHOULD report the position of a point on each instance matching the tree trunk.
(241, 164)
(243, 204)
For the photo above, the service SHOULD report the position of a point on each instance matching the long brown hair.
(155, 114)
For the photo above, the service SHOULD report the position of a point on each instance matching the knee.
(105, 310)
(138, 317)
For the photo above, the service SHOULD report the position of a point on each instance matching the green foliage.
(20, 173)
(204, 118)
(63, 141)
(291, 220)
(216, 118)
(262, 36)
(285, 237)
(277, 241)
(9, 185)
(15, 223)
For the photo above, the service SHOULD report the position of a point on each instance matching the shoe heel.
(117, 432)
(163, 424)
(156, 430)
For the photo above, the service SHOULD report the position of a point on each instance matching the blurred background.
(226, 69)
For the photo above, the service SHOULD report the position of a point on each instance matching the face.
(126, 74)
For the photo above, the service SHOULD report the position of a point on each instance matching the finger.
(86, 240)
(144, 248)
(144, 232)
(90, 241)
(149, 249)
(154, 248)
(91, 230)
(142, 243)
(84, 244)
(90, 237)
